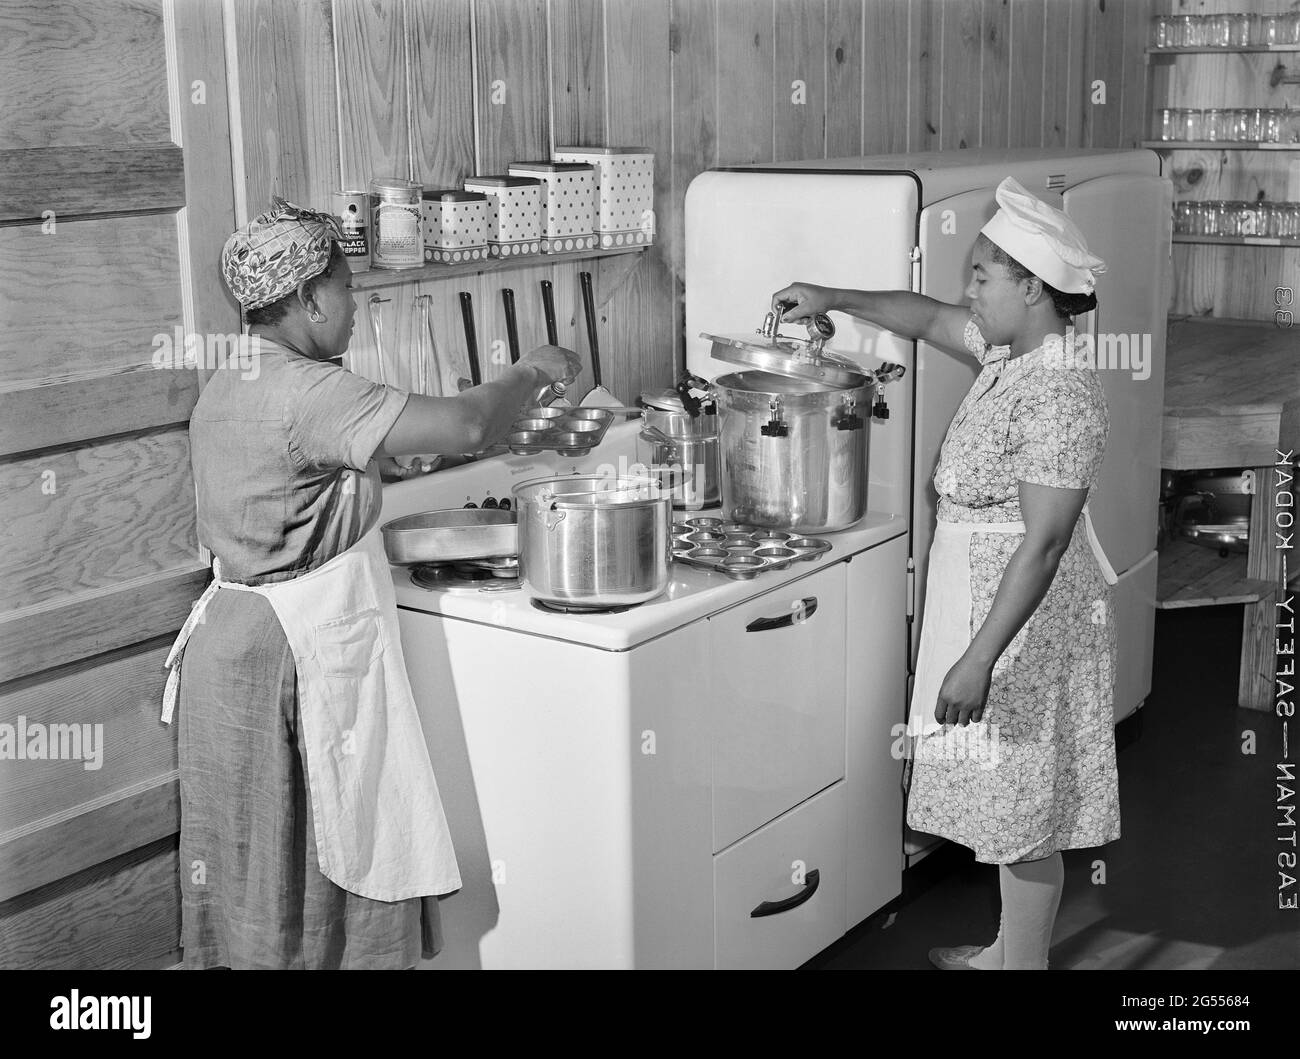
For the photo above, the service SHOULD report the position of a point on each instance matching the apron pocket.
(348, 647)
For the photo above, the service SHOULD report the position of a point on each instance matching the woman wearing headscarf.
(312, 832)
(1011, 724)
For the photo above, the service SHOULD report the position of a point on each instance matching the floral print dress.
(1037, 774)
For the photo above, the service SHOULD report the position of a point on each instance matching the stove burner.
(579, 608)
(464, 576)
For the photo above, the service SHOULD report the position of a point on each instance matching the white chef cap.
(1043, 239)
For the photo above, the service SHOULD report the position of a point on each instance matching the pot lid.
(663, 400)
(791, 357)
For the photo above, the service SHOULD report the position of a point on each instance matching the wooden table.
(1232, 399)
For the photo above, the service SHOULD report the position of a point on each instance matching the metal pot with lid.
(794, 429)
(679, 440)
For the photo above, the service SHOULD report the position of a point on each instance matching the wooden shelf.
(1245, 49)
(1218, 145)
(384, 277)
(1193, 576)
(1236, 240)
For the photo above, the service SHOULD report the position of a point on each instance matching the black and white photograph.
(681, 485)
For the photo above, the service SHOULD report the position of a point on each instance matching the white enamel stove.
(706, 780)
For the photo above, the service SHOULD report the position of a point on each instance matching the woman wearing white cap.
(1011, 717)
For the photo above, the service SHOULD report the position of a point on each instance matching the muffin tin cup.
(569, 431)
(740, 551)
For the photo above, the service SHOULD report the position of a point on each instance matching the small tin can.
(455, 226)
(514, 213)
(398, 240)
(352, 208)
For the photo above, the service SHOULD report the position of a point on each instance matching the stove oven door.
(778, 711)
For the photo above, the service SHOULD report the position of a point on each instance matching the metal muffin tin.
(738, 550)
(569, 431)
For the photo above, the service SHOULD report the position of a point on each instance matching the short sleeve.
(337, 418)
(1062, 437)
(973, 339)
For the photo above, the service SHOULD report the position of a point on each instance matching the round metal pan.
(451, 534)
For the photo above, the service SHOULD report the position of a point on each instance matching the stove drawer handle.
(799, 613)
(773, 908)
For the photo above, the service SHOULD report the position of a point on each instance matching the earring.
(316, 317)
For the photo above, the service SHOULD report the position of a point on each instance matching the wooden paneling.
(48, 414)
(959, 106)
(119, 915)
(887, 60)
(442, 92)
(1026, 88)
(209, 215)
(60, 844)
(373, 126)
(639, 337)
(576, 31)
(51, 634)
(76, 74)
(845, 92)
(1105, 26)
(91, 297)
(745, 81)
(88, 517)
(122, 692)
(801, 55)
(512, 98)
(995, 72)
(285, 114)
(74, 181)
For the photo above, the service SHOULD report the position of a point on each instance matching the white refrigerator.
(909, 222)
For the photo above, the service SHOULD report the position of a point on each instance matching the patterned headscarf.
(276, 251)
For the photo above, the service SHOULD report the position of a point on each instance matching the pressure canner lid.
(791, 357)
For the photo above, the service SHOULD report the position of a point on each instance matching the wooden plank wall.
(1228, 281)
(439, 91)
(701, 82)
(114, 163)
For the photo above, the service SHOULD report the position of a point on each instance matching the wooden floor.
(1192, 882)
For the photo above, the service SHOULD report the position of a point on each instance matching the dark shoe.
(955, 959)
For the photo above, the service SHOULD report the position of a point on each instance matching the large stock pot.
(794, 431)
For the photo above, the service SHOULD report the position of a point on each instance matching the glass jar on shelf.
(1216, 124)
(1162, 31)
(1190, 124)
(1239, 34)
(1217, 31)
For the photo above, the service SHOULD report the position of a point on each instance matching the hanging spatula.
(597, 396)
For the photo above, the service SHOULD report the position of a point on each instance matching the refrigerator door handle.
(915, 258)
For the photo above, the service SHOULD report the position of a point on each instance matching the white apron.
(946, 633)
(380, 828)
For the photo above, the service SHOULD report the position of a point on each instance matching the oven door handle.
(799, 613)
(772, 908)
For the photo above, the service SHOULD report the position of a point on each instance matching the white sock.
(1031, 894)
(990, 958)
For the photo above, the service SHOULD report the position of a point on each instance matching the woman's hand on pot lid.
(802, 300)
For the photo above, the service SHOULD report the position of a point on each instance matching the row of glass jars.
(1273, 220)
(1229, 125)
(1239, 30)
